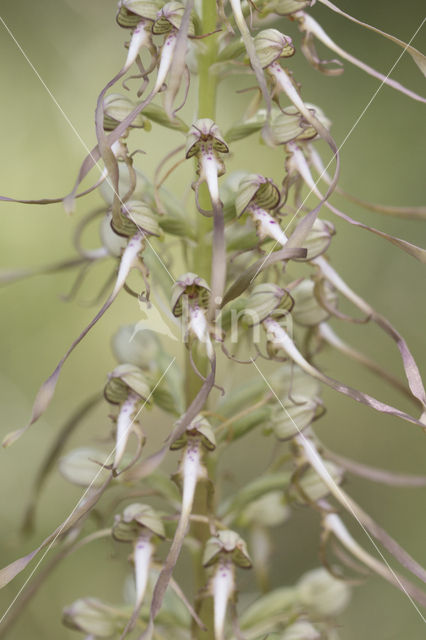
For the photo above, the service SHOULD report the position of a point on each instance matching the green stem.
(241, 414)
(207, 92)
(202, 264)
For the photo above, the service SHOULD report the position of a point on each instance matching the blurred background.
(76, 47)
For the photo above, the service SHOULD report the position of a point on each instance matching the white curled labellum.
(199, 328)
(130, 259)
(166, 59)
(267, 226)
(191, 469)
(140, 38)
(142, 556)
(210, 168)
(125, 421)
(223, 587)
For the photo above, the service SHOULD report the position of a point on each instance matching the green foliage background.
(76, 47)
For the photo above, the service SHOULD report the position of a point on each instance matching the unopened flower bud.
(268, 511)
(295, 417)
(269, 606)
(124, 379)
(83, 467)
(130, 12)
(313, 487)
(135, 519)
(291, 382)
(266, 299)
(169, 18)
(292, 126)
(176, 226)
(301, 630)
(271, 45)
(136, 215)
(116, 108)
(157, 114)
(318, 239)
(92, 616)
(257, 190)
(245, 424)
(288, 7)
(227, 544)
(307, 310)
(322, 594)
(140, 348)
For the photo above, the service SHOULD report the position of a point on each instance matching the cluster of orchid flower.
(269, 292)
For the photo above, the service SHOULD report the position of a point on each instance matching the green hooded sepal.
(124, 379)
